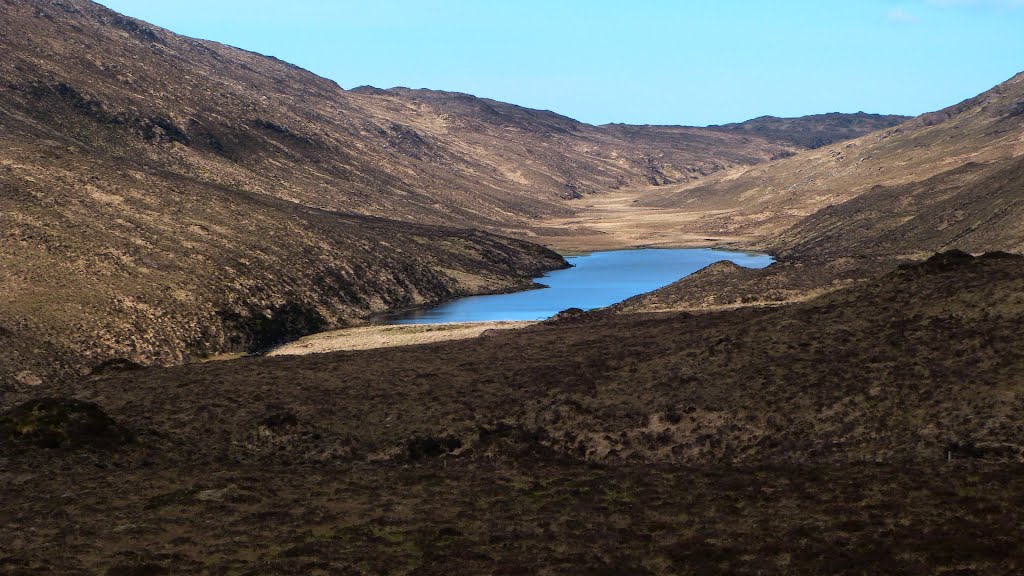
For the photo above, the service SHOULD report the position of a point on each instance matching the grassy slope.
(977, 207)
(766, 199)
(100, 262)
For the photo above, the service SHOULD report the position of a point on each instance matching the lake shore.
(596, 280)
(389, 336)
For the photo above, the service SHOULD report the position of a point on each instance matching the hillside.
(976, 207)
(165, 198)
(145, 210)
(768, 385)
(764, 200)
(99, 262)
(687, 443)
(83, 76)
(952, 179)
(815, 130)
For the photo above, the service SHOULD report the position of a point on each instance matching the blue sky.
(641, 62)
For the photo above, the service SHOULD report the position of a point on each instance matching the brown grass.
(371, 337)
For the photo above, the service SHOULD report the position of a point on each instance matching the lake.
(596, 280)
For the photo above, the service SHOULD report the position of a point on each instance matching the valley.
(183, 198)
(196, 239)
(617, 221)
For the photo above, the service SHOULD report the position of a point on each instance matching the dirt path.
(369, 337)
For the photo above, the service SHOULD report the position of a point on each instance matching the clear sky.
(639, 61)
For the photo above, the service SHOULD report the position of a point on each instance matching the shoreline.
(378, 336)
(379, 332)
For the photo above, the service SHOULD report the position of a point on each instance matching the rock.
(942, 261)
(144, 569)
(566, 314)
(61, 423)
(280, 420)
(28, 378)
(423, 447)
(1000, 255)
(214, 495)
(115, 365)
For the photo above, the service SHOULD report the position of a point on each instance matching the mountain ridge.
(816, 130)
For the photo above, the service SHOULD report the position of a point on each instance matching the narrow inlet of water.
(596, 280)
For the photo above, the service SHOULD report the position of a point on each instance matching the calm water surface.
(596, 280)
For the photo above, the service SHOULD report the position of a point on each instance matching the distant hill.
(816, 130)
(550, 156)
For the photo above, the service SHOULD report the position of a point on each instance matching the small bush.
(423, 447)
(61, 423)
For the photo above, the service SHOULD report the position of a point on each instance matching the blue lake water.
(596, 280)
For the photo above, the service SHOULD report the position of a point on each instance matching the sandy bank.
(369, 337)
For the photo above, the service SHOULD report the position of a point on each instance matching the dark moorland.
(875, 429)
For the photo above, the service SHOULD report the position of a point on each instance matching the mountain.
(165, 198)
(847, 410)
(816, 130)
(232, 118)
(764, 200)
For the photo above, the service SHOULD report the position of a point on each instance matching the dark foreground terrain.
(531, 517)
(877, 429)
